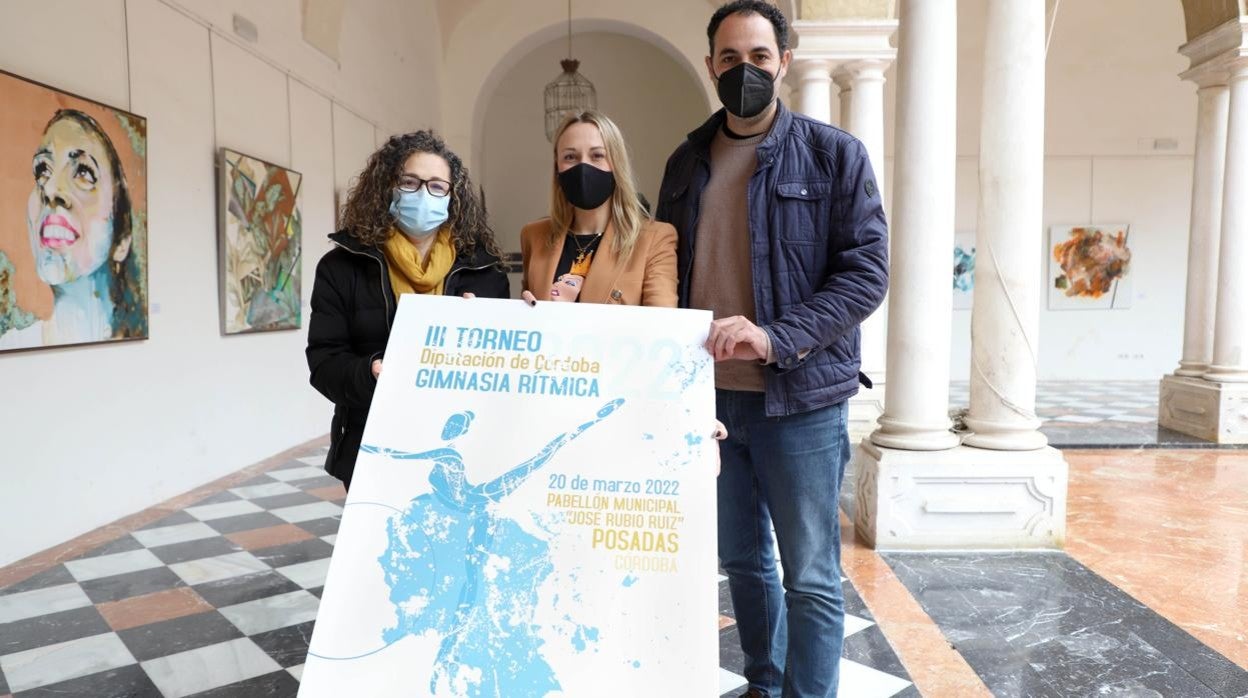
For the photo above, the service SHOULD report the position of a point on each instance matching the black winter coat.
(353, 308)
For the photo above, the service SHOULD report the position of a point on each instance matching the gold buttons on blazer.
(617, 295)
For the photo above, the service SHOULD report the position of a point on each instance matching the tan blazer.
(647, 277)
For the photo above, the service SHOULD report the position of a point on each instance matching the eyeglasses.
(435, 187)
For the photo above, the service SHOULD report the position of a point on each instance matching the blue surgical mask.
(418, 213)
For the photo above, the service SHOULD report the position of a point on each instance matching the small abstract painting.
(73, 196)
(1089, 267)
(963, 270)
(259, 245)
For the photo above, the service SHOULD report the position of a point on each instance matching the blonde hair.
(627, 214)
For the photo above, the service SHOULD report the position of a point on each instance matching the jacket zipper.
(447, 281)
(384, 275)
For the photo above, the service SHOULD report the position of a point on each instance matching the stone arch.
(1201, 16)
(488, 40)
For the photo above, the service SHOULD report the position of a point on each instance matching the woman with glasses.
(599, 245)
(411, 224)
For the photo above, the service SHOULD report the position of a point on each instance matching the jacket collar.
(702, 136)
(478, 259)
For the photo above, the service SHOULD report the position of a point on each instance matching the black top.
(578, 250)
(353, 308)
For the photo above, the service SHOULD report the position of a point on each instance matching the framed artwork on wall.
(1089, 267)
(73, 195)
(259, 244)
(963, 270)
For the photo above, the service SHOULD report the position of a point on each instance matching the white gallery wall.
(517, 160)
(89, 434)
(1120, 130)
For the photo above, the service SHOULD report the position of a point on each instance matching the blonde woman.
(599, 245)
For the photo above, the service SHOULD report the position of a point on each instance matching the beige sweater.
(722, 280)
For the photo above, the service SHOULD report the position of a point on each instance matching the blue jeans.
(786, 472)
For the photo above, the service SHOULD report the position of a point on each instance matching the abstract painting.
(963, 270)
(260, 245)
(73, 192)
(1089, 267)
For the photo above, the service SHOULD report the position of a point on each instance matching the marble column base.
(865, 409)
(960, 499)
(1205, 409)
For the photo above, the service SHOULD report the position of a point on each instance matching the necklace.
(576, 240)
(580, 265)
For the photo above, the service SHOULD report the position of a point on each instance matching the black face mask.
(586, 186)
(746, 90)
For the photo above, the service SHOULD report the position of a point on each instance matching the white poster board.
(532, 512)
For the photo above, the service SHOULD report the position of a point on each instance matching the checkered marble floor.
(219, 599)
(1101, 414)
(1078, 402)
(869, 666)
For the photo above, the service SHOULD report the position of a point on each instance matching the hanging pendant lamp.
(569, 93)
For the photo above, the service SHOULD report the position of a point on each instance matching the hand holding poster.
(532, 511)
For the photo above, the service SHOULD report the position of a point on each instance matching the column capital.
(845, 40)
(805, 69)
(1216, 52)
(867, 69)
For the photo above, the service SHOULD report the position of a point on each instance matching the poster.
(73, 198)
(260, 244)
(1089, 267)
(533, 509)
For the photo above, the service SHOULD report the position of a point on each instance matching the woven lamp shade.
(569, 93)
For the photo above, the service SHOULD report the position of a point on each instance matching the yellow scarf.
(408, 274)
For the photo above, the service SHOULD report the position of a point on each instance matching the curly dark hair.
(751, 7)
(366, 216)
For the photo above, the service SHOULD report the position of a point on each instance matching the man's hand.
(737, 338)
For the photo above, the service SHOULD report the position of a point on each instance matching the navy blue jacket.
(819, 250)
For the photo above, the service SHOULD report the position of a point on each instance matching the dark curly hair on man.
(366, 215)
(751, 7)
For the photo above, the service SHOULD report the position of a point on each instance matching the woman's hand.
(470, 295)
(528, 297)
(376, 368)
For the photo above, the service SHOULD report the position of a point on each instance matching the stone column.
(911, 490)
(858, 51)
(1006, 315)
(865, 115)
(1207, 397)
(845, 96)
(866, 110)
(1206, 224)
(1230, 340)
(916, 406)
(814, 88)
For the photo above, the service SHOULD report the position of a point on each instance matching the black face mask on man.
(586, 187)
(746, 90)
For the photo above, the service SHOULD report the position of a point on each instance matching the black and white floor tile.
(869, 666)
(219, 599)
(1105, 414)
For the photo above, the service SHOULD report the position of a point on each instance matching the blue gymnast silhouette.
(438, 551)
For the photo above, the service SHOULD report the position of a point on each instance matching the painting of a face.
(70, 212)
(73, 200)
